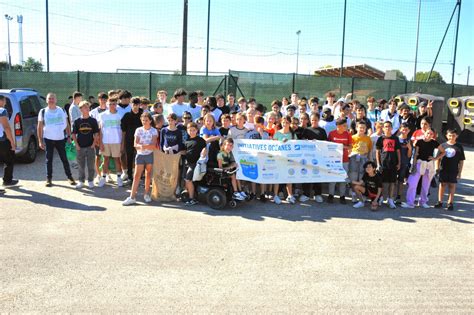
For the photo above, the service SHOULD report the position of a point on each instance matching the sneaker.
(119, 181)
(291, 199)
(318, 198)
(71, 181)
(342, 200)
(417, 199)
(252, 196)
(129, 201)
(330, 199)
(391, 203)
(359, 204)
(263, 198)
(380, 201)
(425, 205)
(303, 198)
(244, 194)
(90, 184)
(276, 200)
(48, 183)
(191, 202)
(97, 178)
(124, 176)
(439, 205)
(450, 207)
(147, 198)
(407, 205)
(13, 182)
(101, 182)
(237, 196)
(109, 179)
(79, 185)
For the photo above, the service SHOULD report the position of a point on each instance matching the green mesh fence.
(265, 87)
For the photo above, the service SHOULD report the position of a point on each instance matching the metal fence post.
(225, 85)
(352, 87)
(149, 86)
(78, 78)
(293, 83)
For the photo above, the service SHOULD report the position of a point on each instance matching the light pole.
(9, 18)
(297, 50)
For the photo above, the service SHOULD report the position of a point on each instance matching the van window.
(27, 108)
(36, 103)
(9, 108)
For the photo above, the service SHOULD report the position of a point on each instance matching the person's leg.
(190, 188)
(442, 187)
(49, 158)
(452, 190)
(318, 189)
(105, 166)
(148, 175)
(392, 191)
(234, 183)
(8, 158)
(359, 191)
(81, 161)
(122, 158)
(412, 183)
(136, 180)
(307, 189)
(118, 166)
(425, 187)
(60, 146)
(130, 151)
(331, 189)
(97, 161)
(342, 186)
(289, 189)
(90, 157)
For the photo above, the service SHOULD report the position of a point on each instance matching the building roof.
(359, 71)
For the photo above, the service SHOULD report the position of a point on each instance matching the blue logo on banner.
(314, 161)
(291, 171)
(304, 171)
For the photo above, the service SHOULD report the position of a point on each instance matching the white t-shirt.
(123, 110)
(110, 125)
(179, 109)
(146, 137)
(217, 113)
(195, 112)
(95, 113)
(54, 123)
(74, 113)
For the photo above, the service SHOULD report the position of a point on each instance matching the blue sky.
(245, 35)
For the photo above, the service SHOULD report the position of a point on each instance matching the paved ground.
(63, 250)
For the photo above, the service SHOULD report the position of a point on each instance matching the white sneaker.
(97, 178)
(79, 185)
(129, 201)
(244, 194)
(425, 205)
(407, 205)
(90, 184)
(119, 181)
(291, 199)
(391, 204)
(318, 198)
(109, 179)
(147, 198)
(276, 200)
(238, 196)
(124, 176)
(303, 198)
(101, 182)
(359, 204)
(380, 201)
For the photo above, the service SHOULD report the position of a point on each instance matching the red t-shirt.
(344, 138)
(419, 134)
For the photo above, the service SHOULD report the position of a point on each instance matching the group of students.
(386, 145)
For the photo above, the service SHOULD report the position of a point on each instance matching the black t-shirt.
(129, 123)
(372, 183)
(299, 132)
(367, 122)
(311, 133)
(194, 147)
(184, 132)
(171, 138)
(225, 109)
(411, 121)
(454, 154)
(425, 149)
(388, 147)
(85, 128)
(224, 131)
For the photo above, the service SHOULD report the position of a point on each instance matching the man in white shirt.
(52, 126)
(179, 107)
(390, 114)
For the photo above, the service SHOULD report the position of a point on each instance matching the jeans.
(86, 156)
(60, 146)
(7, 156)
(342, 185)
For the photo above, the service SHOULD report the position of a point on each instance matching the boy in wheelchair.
(226, 162)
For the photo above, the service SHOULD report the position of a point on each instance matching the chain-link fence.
(265, 87)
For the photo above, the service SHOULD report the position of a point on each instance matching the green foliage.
(32, 65)
(435, 77)
(400, 75)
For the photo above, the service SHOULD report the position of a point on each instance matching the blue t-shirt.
(3, 113)
(209, 132)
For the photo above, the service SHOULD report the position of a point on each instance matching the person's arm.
(378, 158)
(377, 197)
(101, 138)
(74, 136)
(7, 130)
(399, 155)
(429, 109)
(460, 166)
(410, 149)
(441, 153)
(39, 131)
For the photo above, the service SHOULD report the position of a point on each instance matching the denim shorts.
(144, 159)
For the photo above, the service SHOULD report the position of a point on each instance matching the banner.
(165, 176)
(293, 161)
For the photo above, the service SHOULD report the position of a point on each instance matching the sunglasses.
(187, 117)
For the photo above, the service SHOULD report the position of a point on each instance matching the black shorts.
(389, 175)
(448, 177)
(189, 172)
(403, 173)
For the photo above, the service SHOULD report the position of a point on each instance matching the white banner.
(294, 161)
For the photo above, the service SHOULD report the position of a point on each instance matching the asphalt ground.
(68, 250)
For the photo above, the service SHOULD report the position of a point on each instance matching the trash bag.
(71, 152)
